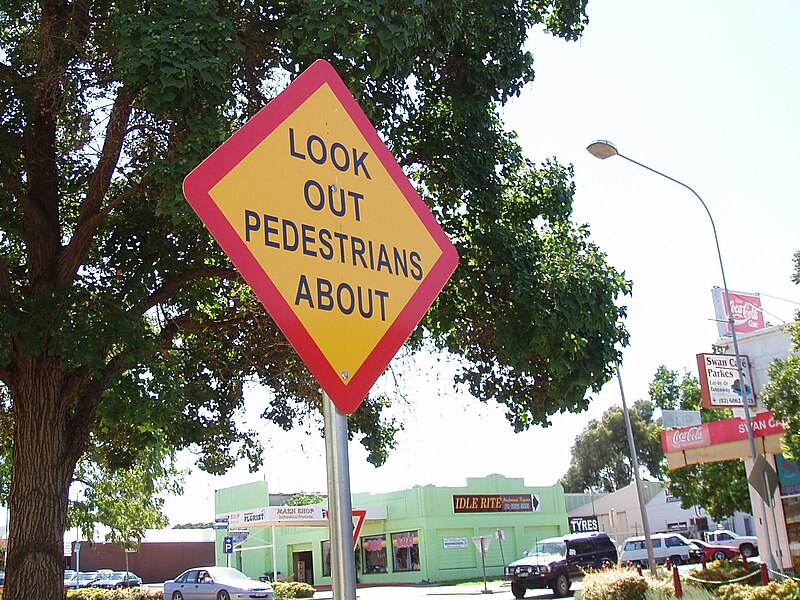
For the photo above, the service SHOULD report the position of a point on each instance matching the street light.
(651, 558)
(603, 149)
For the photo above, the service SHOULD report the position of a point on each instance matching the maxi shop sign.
(323, 224)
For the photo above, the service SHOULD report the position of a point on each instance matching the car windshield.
(87, 576)
(549, 548)
(225, 573)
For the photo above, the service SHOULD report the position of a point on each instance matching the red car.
(716, 552)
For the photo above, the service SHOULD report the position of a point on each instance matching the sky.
(704, 91)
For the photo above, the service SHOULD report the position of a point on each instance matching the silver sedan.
(215, 583)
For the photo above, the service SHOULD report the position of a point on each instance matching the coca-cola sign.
(744, 308)
(685, 438)
(719, 432)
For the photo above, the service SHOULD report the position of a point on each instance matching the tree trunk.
(42, 468)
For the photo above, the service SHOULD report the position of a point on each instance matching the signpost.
(482, 545)
(322, 223)
(501, 535)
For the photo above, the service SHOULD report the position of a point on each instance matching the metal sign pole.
(483, 563)
(340, 510)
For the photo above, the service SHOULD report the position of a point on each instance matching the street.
(497, 590)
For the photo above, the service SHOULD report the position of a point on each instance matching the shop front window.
(373, 549)
(405, 551)
(326, 559)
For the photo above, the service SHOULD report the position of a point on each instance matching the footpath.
(404, 592)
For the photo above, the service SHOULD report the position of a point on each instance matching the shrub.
(628, 584)
(786, 590)
(719, 572)
(614, 584)
(138, 593)
(293, 589)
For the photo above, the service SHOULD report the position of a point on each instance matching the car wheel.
(223, 595)
(561, 586)
(675, 560)
(747, 550)
(518, 590)
(719, 555)
(177, 596)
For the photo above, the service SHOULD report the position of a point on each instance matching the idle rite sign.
(481, 503)
(323, 224)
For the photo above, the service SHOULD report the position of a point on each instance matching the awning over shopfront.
(721, 440)
(290, 516)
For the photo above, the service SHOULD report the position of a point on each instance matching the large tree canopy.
(782, 394)
(601, 456)
(125, 333)
(719, 487)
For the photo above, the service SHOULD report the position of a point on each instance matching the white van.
(672, 546)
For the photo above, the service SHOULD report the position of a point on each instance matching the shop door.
(303, 567)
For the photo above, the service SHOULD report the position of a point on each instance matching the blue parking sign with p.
(227, 545)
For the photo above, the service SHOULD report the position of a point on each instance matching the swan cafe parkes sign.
(322, 223)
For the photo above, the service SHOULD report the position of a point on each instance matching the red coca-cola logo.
(687, 436)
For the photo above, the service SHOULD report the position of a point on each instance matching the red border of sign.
(359, 516)
(201, 180)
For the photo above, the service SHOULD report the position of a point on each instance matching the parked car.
(220, 583)
(672, 546)
(79, 580)
(556, 562)
(747, 544)
(716, 552)
(117, 579)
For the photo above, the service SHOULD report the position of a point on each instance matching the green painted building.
(410, 536)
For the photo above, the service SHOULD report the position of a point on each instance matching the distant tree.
(303, 499)
(782, 393)
(193, 526)
(127, 502)
(719, 487)
(601, 458)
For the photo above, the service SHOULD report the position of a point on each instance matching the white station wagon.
(672, 546)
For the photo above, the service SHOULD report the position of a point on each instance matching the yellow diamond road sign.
(323, 224)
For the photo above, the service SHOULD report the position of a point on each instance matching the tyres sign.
(583, 524)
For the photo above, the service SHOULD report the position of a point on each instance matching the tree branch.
(166, 291)
(41, 215)
(13, 185)
(92, 212)
(5, 282)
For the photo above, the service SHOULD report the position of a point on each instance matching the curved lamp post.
(603, 149)
(651, 557)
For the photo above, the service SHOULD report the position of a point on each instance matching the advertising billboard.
(719, 381)
(745, 308)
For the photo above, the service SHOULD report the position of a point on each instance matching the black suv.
(555, 562)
